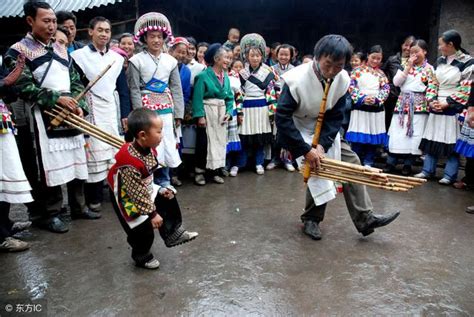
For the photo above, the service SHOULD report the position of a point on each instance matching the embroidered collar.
(30, 36)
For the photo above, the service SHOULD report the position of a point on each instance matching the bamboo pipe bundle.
(81, 122)
(89, 129)
(351, 173)
(65, 112)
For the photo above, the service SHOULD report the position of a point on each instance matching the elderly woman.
(213, 102)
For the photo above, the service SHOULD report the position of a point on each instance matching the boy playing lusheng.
(140, 207)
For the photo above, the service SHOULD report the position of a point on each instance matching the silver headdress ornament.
(252, 40)
(152, 21)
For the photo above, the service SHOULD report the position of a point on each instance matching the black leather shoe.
(406, 170)
(470, 210)
(87, 214)
(389, 169)
(53, 224)
(376, 221)
(311, 228)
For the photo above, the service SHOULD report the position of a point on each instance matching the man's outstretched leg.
(358, 200)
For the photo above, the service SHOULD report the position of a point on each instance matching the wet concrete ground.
(252, 259)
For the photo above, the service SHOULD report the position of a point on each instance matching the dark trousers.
(26, 149)
(389, 105)
(94, 192)
(54, 200)
(469, 172)
(356, 196)
(5, 222)
(141, 237)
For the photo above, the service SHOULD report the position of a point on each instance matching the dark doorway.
(302, 23)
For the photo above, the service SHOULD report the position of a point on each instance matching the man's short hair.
(63, 16)
(335, 46)
(30, 8)
(140, 120)
(96, 20)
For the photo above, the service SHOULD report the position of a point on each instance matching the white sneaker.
(13, 245)
(444, 181)
(289, 167)
(271, 166)
(233, 171)
(153, 264)
(421, 175)
(260, 170)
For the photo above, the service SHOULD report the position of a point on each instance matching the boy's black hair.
(335, 46)
(30, 8)
(140, 120)
(63, 16)
(287, 46)
(96, 20)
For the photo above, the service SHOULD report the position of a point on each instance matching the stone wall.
(459, 15)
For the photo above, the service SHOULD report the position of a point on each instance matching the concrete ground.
(252, 259)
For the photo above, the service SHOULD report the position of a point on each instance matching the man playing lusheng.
(297, 111)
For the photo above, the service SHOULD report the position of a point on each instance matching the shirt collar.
(94, 49)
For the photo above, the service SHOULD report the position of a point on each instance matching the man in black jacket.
(297, 111)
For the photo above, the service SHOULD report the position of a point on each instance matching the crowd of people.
(213, 110)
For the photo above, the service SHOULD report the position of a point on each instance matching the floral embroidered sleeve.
(461, 96)
(356, 96)
(239, 99)
(432, 89)
(134, 195)
(384, 89)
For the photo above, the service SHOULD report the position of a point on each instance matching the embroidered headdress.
(252, 41)
(152, 21)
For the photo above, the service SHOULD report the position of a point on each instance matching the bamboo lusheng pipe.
(385, 178)
(370, 170)
(58, 119)
(93, 131)
(362, 178)
(317, 129)
(375, 176)
(81, 121)
(96, 133)
(359, 181)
